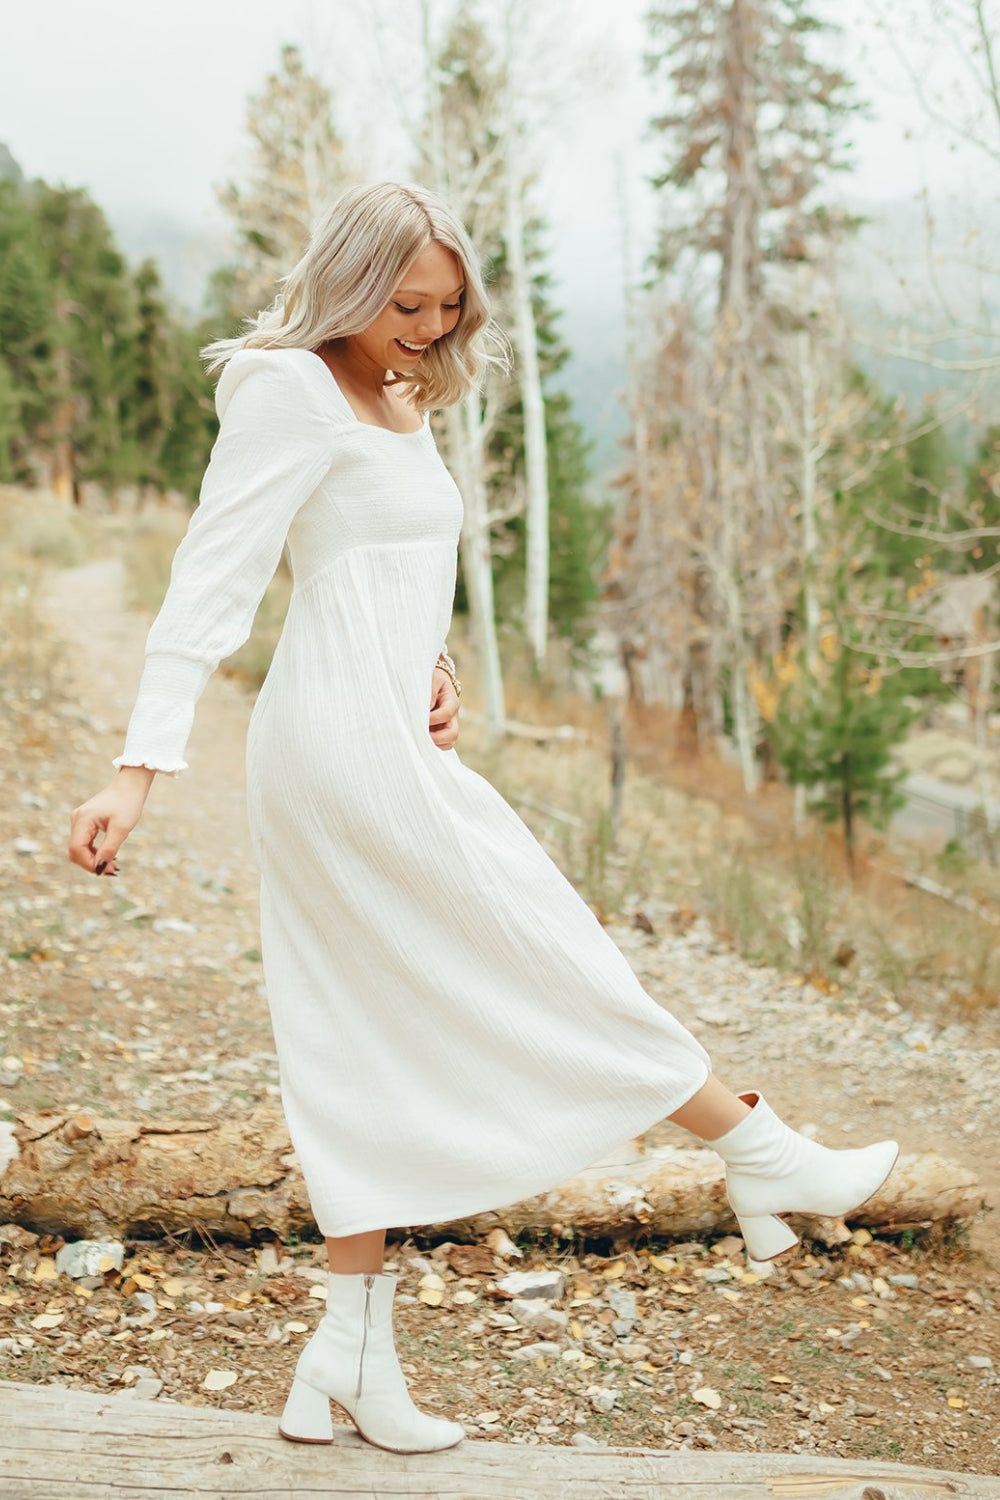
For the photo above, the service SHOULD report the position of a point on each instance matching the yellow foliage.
(828, 645)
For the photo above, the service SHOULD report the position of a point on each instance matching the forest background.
(735, 514)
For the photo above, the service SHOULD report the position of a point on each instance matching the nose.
(431, 327)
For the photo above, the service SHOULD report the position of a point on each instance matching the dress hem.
(469, 1201)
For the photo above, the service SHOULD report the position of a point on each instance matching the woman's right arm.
(275, 444)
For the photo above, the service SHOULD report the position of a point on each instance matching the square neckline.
(375, 426)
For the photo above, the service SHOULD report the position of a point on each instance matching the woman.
(455, 1029)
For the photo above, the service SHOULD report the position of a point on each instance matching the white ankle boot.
(351, 1359)
(772, 1170)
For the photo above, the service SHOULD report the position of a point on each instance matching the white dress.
(455, 1030)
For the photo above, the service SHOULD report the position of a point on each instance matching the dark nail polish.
(100, 866)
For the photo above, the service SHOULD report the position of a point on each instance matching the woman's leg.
(711, 1112)
(349, 1253)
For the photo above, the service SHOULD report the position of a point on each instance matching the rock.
(584, 1440)
(604, 1399)
(542, 1350)
(912, 1282)
(146, 1388)
(633, 1352)
(535, 1313)
(549, 1284)
(26, 846)
(90, 1257)
(622, 1301)
(146, 1301)
(980, 1361)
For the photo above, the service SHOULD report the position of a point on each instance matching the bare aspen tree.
(461, 150)
(529, 376)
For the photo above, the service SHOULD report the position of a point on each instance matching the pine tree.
(297, 165)
(148, 400)
(836, 720)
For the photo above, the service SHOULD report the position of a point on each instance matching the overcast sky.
(144, 105)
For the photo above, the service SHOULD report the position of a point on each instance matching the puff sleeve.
(275, 444)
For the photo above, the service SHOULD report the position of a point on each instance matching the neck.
(353, 367)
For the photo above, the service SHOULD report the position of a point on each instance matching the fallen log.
(93, 1445)
(239, 1179)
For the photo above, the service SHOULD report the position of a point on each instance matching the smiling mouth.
(411, 348)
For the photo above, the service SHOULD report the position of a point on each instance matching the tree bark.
(82, 1177)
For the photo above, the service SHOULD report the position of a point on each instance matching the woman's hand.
(444, 710)
(116, 810)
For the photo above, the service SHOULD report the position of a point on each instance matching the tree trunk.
(235, 1179)
(468, 458)
(536, 582)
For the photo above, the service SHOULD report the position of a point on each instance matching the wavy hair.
(357, 253)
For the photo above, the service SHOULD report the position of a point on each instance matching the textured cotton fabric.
(455, 1029)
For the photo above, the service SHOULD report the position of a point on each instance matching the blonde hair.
(357, 253)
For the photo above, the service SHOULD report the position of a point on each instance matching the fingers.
(83, 849)
(446, 735)
(445, 707)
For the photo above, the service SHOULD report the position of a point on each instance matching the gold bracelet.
(446, 664)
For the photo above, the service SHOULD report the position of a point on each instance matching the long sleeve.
(276, 442)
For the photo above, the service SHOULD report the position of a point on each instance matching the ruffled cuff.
(161, 721)
(126, 760)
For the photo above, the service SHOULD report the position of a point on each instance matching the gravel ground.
(143, 996)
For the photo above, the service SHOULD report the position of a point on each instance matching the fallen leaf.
(708, 1397)
(430, 1296)
(46, 1270)
(219, 1380)
(52, 1320)
(294, 1326)
(319, 1291)
(663, 1263)
(172, 1287)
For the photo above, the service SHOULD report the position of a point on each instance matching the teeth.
(417, 348)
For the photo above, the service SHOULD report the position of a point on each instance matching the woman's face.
(424, 307)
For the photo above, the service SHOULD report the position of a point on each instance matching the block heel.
(306, 1417)
(765, 1235)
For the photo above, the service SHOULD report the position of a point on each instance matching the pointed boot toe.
(772, 1169)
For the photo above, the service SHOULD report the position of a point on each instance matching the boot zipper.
(369, 1283)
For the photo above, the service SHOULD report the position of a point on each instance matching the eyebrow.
(412, 291)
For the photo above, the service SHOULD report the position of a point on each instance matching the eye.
(405, 309)
(451, 306)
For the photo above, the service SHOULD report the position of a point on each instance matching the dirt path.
(144, 995)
